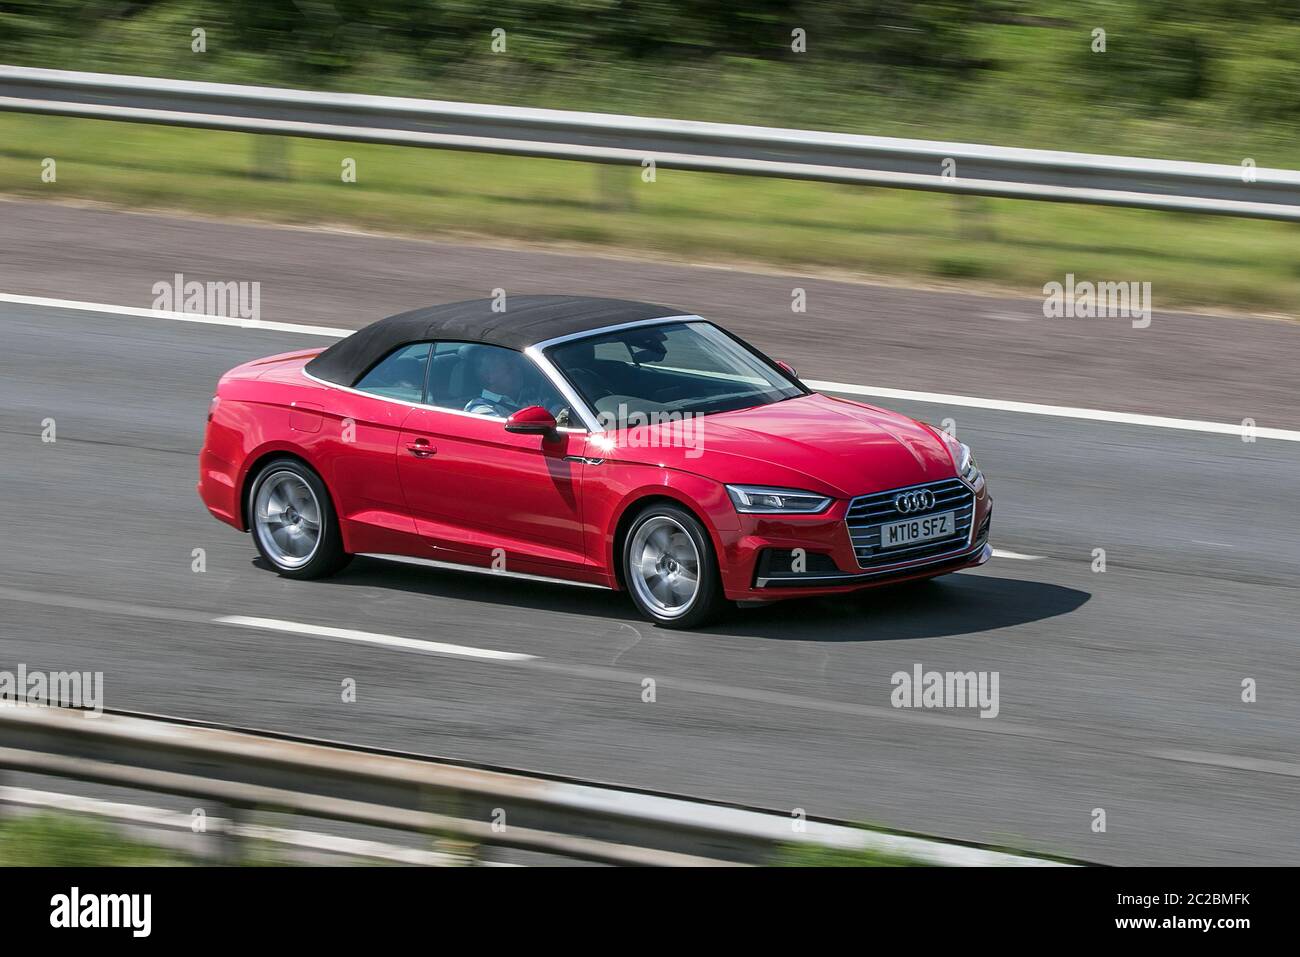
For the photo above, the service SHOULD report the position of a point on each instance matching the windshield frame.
(538, 352)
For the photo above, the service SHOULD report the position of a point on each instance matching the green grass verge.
(1191, 261)
(55, 840)
(64, 840)
(804, 855)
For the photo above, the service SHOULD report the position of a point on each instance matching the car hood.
(816, 442)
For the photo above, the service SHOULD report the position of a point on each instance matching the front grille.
(867, 513)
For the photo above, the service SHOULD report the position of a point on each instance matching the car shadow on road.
(502, 591)
(959, 604)
(952, 605)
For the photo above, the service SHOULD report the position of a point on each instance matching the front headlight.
(968, 469)
(775, 501)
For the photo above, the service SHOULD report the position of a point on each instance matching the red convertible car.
(595, 442)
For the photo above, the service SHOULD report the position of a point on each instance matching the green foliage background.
(1212, 79)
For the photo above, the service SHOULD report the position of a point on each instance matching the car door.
(481, 495)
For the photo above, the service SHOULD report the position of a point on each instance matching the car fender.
(637, 483)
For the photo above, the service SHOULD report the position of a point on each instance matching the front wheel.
(670, 569)
(293, 521)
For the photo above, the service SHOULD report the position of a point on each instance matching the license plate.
(920, 529)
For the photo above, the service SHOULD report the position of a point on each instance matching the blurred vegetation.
(64, 840)
(1196, 79)
(811, 855)
(1207, 80)
(55, 840)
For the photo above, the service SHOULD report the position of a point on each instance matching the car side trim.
(458, 567)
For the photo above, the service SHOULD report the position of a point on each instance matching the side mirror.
(787, 367)
(533, 420)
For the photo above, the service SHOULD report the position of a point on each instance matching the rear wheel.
(293, 521)
(670, 568)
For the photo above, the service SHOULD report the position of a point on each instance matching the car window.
(399, 375)
(490, 380)
(694, 368)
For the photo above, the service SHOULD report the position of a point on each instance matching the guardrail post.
(466, 853)
(974, 220)
(230, 846)
(270, 157)
(614, 186)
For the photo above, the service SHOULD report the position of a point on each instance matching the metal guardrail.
(1230, 190)
(239, 772)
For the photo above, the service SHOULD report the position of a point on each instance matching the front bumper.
(976, 555)
(757, 564)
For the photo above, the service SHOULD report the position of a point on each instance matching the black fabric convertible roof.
(526, 321)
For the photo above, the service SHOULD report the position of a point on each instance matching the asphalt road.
(1118, 690)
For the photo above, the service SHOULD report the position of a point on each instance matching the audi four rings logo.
(909, 502)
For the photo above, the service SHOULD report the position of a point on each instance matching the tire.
(293, 522)
(662, 546)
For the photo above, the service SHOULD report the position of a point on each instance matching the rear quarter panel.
(350, 440)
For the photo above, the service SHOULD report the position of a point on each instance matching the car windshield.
(642, 373)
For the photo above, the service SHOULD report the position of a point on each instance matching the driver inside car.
(501, 374)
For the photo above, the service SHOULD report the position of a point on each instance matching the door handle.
(421, 448)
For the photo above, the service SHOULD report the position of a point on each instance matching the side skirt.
(458, 567)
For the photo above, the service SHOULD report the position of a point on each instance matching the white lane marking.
(1003, 553)
(141, 313)
(1060, 411)
(781, 699)
(848, 388)
(1233, 762)
(370, 638)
